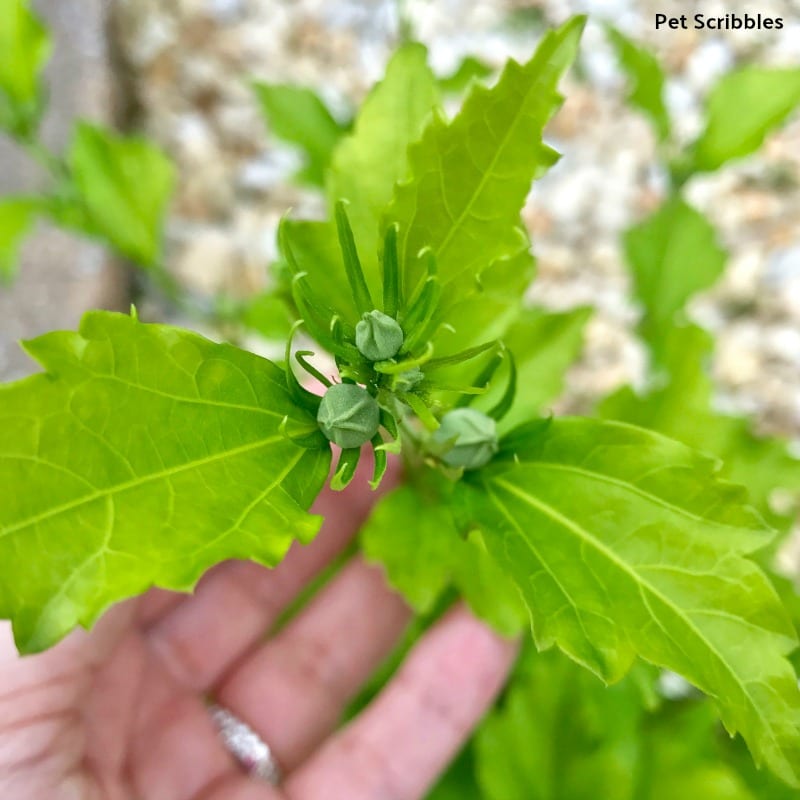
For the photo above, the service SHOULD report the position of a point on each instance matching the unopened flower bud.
(409, 379)
(474, 438)
(348, 415)
(378, 336)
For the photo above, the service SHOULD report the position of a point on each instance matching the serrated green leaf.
(142, 456)
(562, 735)
(646, 79)
(544, 345)
(369, 162)
(672, 254)
(682, 409)
(24, 50)
(17, 216)
(469, 178)
(415, 539)
(625, 543)
(297, 115)
(468, 70)
(742, 109)
(125, 185)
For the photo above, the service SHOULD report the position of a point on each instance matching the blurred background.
(180, 71)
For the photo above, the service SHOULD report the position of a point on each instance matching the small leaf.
(414, 537)
(369, 162)
(24, 49)
(469, 178)
(17, 216)
(646, 78)
(672, 254)
(142, 456)
(743, 108)
(298, 116)
(625, 543)
(125, 185)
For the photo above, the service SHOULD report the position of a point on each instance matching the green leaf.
(562, 735)
(469, 178)
(315, 246)
(742, 109)
(24, 50)
(646, 78)
(369, 162)
(298, 116)
(625, 543)
(125, 185)
(413, 535)
(458, 783)
(469, 69)
(672, 254)
(142, 456)
(544, 346)
(267, 314)
(682, 408)
(17, 216)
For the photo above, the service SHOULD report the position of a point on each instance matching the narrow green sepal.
(417, 405)
(463, 355)
(300, 355)
(303, 398)
(381, 461)
(345, 468)
(352, 263)
(392, 285)
(389, 423)
(408, 364)
(507, 400)
(312, 439)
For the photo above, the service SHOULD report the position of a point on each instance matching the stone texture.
(61, 275)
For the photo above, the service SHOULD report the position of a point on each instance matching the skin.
(119, 713)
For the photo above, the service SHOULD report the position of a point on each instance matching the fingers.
(294, 688)
(400, 744)
(236, 602)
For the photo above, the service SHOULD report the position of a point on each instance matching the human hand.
(121, 713)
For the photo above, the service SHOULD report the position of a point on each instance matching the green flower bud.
(378, 336)
(348, 415)
(475, 436)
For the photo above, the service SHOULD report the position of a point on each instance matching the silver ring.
(246, 746)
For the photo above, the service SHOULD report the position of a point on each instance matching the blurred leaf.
(646, 79)
(470, 69)
(624, 543)
(459, 782)
(125, 185)
(562, 735)
(17, 216)
(470, 177)
(683, 409)
(142, 456)
(298, 116)
(741, 110)
(268, 315)
(544, 345)
(24, 49)
(413, 536)
(672, 254)
(369, 162)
